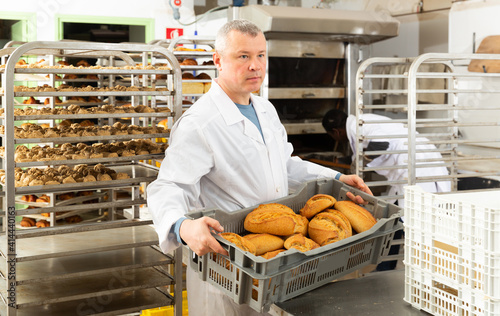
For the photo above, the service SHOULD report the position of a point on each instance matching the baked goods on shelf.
(77, 109)
(64, 65)
(29, 130)
(68, 88)
(69, 151)
(57, 100)
(42, 223)
(189, 62)
(27, 222)
(62, 175)
(31, 100)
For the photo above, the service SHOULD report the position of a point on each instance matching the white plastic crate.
(452, 252)
(431, 294)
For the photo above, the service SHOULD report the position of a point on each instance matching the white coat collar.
(232, 115)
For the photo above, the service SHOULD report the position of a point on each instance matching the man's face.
(242, 66)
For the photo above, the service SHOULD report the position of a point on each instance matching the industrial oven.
(313, 56)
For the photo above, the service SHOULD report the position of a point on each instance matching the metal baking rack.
(205, 42)
(107, 264)
(436, 95)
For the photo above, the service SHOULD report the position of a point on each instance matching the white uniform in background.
(396, 159)
(217, 159)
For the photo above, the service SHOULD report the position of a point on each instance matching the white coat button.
(277, 189)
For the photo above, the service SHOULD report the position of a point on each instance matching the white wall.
(418, 34)
(159, 10)
(467, 18)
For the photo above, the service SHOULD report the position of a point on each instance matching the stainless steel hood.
(363, 27)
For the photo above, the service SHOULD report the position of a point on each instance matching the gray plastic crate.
(292, 272)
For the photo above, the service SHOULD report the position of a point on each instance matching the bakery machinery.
(313, 56)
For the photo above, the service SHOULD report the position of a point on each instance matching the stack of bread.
(63, 175)
(29, 130)
(273, 228)
(76, 109)
(68, 88)
(69, 151)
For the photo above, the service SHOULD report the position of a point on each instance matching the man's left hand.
(355, 181)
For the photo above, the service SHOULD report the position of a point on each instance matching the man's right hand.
(197, 235)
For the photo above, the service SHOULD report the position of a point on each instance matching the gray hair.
(243, 26)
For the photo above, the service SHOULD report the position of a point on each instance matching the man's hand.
(197, 235)
(357, 182)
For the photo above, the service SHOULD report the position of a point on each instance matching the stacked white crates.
(452, 252)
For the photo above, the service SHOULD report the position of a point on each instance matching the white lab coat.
(396, 159)
(217, 159)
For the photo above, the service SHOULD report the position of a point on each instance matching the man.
(228, 151)
(342, 128)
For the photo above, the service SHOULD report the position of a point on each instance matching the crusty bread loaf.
(264, 242)
(300, 242)
(361, 220)
(272, 254)
(316, 204)
(240, 242)
(275, 219)
(328, 227)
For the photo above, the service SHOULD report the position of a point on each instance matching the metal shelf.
(114, 261)
(62, 269)
(112, 304)
(90, 286)
(78, 243)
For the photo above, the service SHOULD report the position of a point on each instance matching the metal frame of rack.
(107, 267)
(405, 88)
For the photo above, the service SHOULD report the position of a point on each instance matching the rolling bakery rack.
(111, 264)
(450, 99)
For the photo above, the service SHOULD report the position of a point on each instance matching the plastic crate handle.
(372, 200)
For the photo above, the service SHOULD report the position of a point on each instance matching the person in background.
(229, 150)
(342, 128)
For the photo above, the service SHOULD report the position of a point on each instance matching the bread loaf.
(272, 254)
(264, 242)
(275, 219)
(361, 220)
(240, 242)
(328, 227)
(300, 242)
(316, 204)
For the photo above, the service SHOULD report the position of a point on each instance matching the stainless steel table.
(377, 293)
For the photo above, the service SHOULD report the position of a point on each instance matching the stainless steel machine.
(313, 56)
